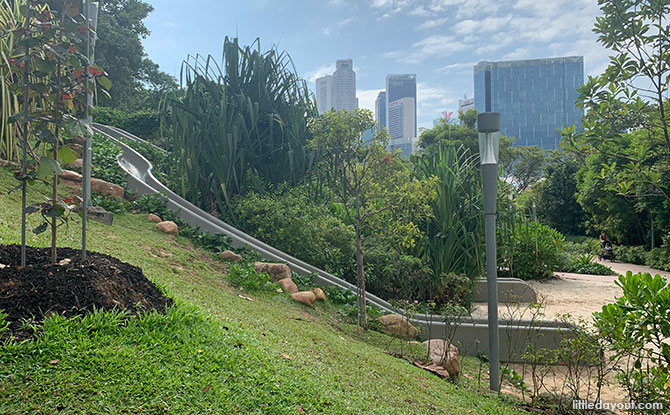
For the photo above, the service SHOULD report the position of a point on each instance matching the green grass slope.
(214, 352)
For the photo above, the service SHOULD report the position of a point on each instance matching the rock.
(397, 325)
(319, 294)
(78, 140)
(154, 218)
(105, 188)
(230, 256)
(99, 214)
(276, 271)
(288, 285)
(77, 148)
(71, 176)
(305, 297)
(444, 354)
(168, 227)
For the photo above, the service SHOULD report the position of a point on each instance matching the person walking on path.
(603, 238)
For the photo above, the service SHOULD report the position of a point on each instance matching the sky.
(438, 40)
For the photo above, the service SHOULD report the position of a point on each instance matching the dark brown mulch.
(100, 282)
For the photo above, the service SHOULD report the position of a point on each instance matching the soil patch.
(72, 287)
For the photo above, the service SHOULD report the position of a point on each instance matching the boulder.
(305, 297)
(78, 140)
(397, 325)
(288, 285)
(444, 354)
(319, 294)
(276, 271)
(168, 227)
(154, 218)
(230, 256)
(107, 189)
(78, 149)
(71, 176)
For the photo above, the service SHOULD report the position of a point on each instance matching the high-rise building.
(380, 109)
(324, 93)
(398, 87)
(466, 104)
(401, 120)
(344, 86)
(536, 98)
(337, 91)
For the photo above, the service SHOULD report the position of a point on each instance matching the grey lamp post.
(488, 126)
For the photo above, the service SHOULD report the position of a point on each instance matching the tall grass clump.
(455, 232)
(240, 124)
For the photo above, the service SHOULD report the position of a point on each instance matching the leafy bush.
(636, 328)
(658, 258)
(337, 295)
(533, 251)
(453, 290)
(584, 264)
(293, 223)
(110, 204)
(144, 124)
(245, 277)
(4, 324)
(392, 275)
(631, 254)
(103, 158)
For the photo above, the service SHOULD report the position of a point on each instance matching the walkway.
(580, 295)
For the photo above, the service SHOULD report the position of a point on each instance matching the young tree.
(369, 181)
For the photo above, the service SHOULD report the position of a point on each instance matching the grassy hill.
(215, 351)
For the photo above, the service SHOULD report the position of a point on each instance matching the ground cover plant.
(230, 355)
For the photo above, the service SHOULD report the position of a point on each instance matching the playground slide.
(470, 333)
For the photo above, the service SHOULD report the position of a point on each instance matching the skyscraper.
(536, 98)
(324, 93)
(398, 87)
(380, 109)
(338, 90)
(344, 86)
(401, 121)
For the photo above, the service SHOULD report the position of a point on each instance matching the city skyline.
(438, 40)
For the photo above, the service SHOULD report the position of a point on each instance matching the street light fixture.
(488, 126)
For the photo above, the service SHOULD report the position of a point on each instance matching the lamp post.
(488, 126)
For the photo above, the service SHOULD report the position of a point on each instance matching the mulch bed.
(72, 287)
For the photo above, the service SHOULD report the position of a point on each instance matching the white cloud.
(322, 70)
(367, 97)
(431, 24)
(435, 45)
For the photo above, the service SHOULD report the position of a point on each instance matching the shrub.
(630, 254)
(110, 204)
(245, 277)
(293, 223)
(453, 289)
(144, 124)
(636, 328)
(338, 295)
(104, 160)
(533, 251)
(584, 264)
(4, 324)
(658, 258)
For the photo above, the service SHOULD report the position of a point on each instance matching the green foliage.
(557, 205)
(110, 204)
(154, 203)
(455, 230)
(104, 160)
(659, 258)
(143, 123)
(526, 166)
(630, 254)
(4, 324)
(453, 289)
(533, 251)
(10, 20)
(237, 126)
(245, 277)
(584, 264)
(337, 295)
(636, 327)
(291, 222)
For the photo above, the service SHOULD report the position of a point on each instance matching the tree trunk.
(359, 268)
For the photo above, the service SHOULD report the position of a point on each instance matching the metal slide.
(471, 333)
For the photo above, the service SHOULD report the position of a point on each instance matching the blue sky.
(439, 40)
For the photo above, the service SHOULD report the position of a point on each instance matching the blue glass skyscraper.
(536, 98)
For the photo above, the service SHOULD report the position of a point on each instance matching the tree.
(119, 50)
(526, 166)
(468, 118)
(626, 120)
(368, 181)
